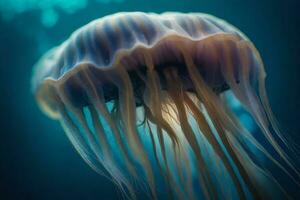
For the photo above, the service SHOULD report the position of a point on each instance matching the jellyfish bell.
(140, 96)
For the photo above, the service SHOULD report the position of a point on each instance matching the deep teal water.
(38, 162)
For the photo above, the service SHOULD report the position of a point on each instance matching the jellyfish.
(142, 98)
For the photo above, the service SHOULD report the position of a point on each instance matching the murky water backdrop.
(37, 160)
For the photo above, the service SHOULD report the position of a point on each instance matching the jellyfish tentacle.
(185, 166)
(240, 134)
(205, 95)
(227, 66)
(233, 132)
(83, 148)
(153, 84)
(99, 130)
(171, 183)
(103, 144)
(179, 151)
(175, 91)
(157, 118)
(128, 118)
(264, 97)
(258, 174)
(289, 144)
(97, 100)
(205, 129)
(124, 153)
(234, 122)
(246, 94)
(105, 161)
(261, 122)
(180, 154)
(155, 103)
(107, 154)
(243, 90)
(236, 133)
(73, 134)
(155, 152)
